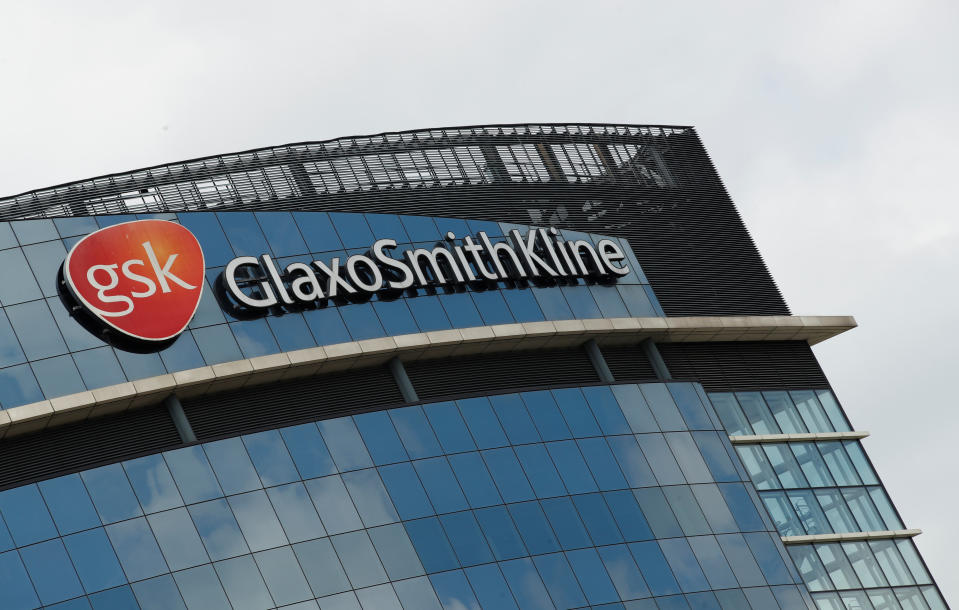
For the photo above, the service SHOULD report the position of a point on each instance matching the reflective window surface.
(510, 501)
(44, 353)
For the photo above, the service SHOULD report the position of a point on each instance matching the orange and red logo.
(143, 278)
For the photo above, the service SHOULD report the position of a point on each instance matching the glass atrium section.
(44, 353)
(602, 496)
(822, 488)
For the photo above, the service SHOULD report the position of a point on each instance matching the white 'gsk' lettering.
(162, 274)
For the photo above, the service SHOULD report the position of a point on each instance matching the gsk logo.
(142, 278)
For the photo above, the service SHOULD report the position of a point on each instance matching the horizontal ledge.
(435, 344)
(851, 537)
(752, 439)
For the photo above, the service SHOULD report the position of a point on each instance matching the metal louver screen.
(628, 363)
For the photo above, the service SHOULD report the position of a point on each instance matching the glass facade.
(827, 487)
(622, 496)
(45, 353)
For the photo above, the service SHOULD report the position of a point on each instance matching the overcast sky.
(833, 124)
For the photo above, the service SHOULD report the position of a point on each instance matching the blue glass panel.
(77, 337)
(449, 426)
(658, 513)
(345, 445)
(492, 307)
(415, 432)
(566, 523)
(68, 227)
(475, 479)
(334, 505)
(599, 521)
(58, 376)
(317, 229)
(193, 474)
(440, 484)
(396, 551)
(688, 457)
(601, 463)
(660, 459)
(254, 337)
(490, 587)
(207, 229)
(291, 332)
(45, 260)
(8, 239)
(767, 556)
(257, 520)
(243, 584)
(540, 470)
(741, 560)
(742, 507)
(592, 576)
(687, 510)
(417, 593)
(51, 571)
(576, 412)
(552, 303)
(79, 603)
(99, 367)
(19, 284)
(396, 317)
(140, 366)
(36, 329)
(460, 310)
(684, 565)
(308, 450)
(283, 576)
(603, 404)
(208, 311)
(628, 516)
(715, 509)
(622, 570)
(631, 461)
(111, 493)
(467, 540)
(689, 403)
(387, 226)
(327, 325)
(321, 567)
(638, 301)
(137, 549)
(429, 313)
(511, 411)
(610, 301)
(560, 581)
(406, 491)
(370, 497)
(421, 228)
(33, 231)
(431, 544)
(270, 458)
(717, 458)
(361, 321)
(581, 302)
(508, 474)
(67, 499)
(232, 466)
(217, 344)
(534, 527)
(523, 305)
(343, 601)
(201, 588)
(218, 529)
(94, 560)
(635, 408)
(352, 229)
(282, 233)
(380, 437)
(546, 416)
(115, 599)
(178, 539)
(158, 594)
(526, 585)
(152, 483)
(244, 233)
(16, 592)
(654, 568)
(482, 422)
(501, 533)
(572, 468)
(453, 590)
(296, 512)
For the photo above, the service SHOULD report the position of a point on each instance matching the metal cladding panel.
(663, 195)
(628, 363)
(291, 402)
(745, 365)
(493, 373)
(87, 444)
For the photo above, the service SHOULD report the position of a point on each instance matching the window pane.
(152, 483)
(69, 503)
(296, 512)
(111, 493)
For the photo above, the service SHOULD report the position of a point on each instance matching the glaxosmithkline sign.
(144, 278)
(259, 283)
